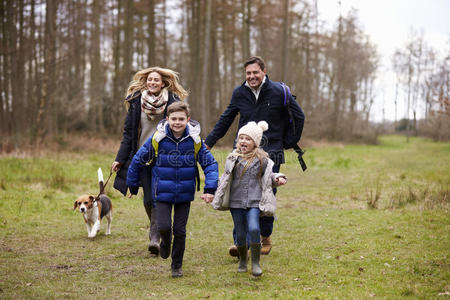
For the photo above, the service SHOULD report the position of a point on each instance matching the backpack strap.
(197, 146)
(297, 149)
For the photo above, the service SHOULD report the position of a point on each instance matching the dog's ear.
(75, 205)
(91, 197)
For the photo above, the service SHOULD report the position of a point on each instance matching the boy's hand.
(208, 198)
(281, 180)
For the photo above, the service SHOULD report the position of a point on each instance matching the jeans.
(246, 220)
(265, 223)
(164, 222)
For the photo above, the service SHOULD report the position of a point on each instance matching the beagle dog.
(94, 209)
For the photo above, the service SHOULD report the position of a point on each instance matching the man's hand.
(281, 180)
(207, 147)
(208, 198)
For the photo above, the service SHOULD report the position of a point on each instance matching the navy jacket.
(174, 170)
(270, 107)
(130, 139)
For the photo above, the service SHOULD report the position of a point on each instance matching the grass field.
(362, 222)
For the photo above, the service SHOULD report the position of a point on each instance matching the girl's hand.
(281, 180)
(208, 198)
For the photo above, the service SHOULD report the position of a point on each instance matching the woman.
(148, 96)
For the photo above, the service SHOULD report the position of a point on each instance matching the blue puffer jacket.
(174, 170)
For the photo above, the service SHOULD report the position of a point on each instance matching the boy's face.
(177, 122)
(245, 144)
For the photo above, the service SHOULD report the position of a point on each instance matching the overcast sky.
(389, 23)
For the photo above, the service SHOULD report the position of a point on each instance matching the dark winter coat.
(174, 170)
(270, 107)
(130, 139)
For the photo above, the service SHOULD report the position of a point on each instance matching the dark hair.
(178, 106)
(255, 59)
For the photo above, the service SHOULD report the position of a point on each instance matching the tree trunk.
(246, 15)
(151, 34)
(46, 118)
(285, 42)
(96, 73)
(206, 55)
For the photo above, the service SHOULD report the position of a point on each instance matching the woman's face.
(154, 83)
(245, 144)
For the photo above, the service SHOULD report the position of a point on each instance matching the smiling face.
(254, 75)
(177, 122)
(154, 83)
(245, 144)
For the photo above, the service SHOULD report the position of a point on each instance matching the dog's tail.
(101, 183)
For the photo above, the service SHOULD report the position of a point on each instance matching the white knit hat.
(255, 131)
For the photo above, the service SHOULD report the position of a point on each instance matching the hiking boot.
(233, 250)
(266, 245)
(177, 272)
(255, 250)
(242, 259)
(153, 234)
(153, 249)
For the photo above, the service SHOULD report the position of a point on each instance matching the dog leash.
(104, 185)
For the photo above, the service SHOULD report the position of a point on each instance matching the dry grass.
(78, 143)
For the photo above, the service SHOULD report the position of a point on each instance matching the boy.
(174, 177)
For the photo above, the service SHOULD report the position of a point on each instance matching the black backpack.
(292, 136)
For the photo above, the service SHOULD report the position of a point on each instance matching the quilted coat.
(174, 170)
(131, 134)
(267, 205)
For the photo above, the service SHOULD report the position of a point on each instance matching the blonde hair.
(169, 77)
(256, 153)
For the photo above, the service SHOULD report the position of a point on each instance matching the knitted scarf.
(154, 106)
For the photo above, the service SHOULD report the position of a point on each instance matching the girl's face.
(154, 83)
(245, 144)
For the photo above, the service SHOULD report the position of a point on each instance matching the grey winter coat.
(267, 204)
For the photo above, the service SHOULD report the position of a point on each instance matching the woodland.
(66, 65)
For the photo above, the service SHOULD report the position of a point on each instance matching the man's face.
(254, 75)
(177, 122)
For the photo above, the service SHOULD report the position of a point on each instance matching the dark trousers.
(178, 228)
(146, 182)
(265, 223)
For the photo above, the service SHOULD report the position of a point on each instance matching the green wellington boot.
(255, 251)
(242, 259)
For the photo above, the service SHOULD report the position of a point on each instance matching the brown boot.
(233, 250)
(266, 245)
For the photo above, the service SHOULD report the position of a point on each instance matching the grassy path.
(362, 222)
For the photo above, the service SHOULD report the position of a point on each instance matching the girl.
(245, 188)
(148, 96)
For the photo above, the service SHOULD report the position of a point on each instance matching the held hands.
(281, 180)
(208, 198)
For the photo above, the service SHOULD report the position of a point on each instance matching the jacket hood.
(193, 130)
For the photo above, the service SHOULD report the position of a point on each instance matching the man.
(259, 99)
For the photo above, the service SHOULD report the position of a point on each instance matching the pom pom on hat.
(263, 124)
(253, 130)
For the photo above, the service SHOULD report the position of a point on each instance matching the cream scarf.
(154, 106)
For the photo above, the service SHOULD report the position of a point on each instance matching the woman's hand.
(116, 166)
